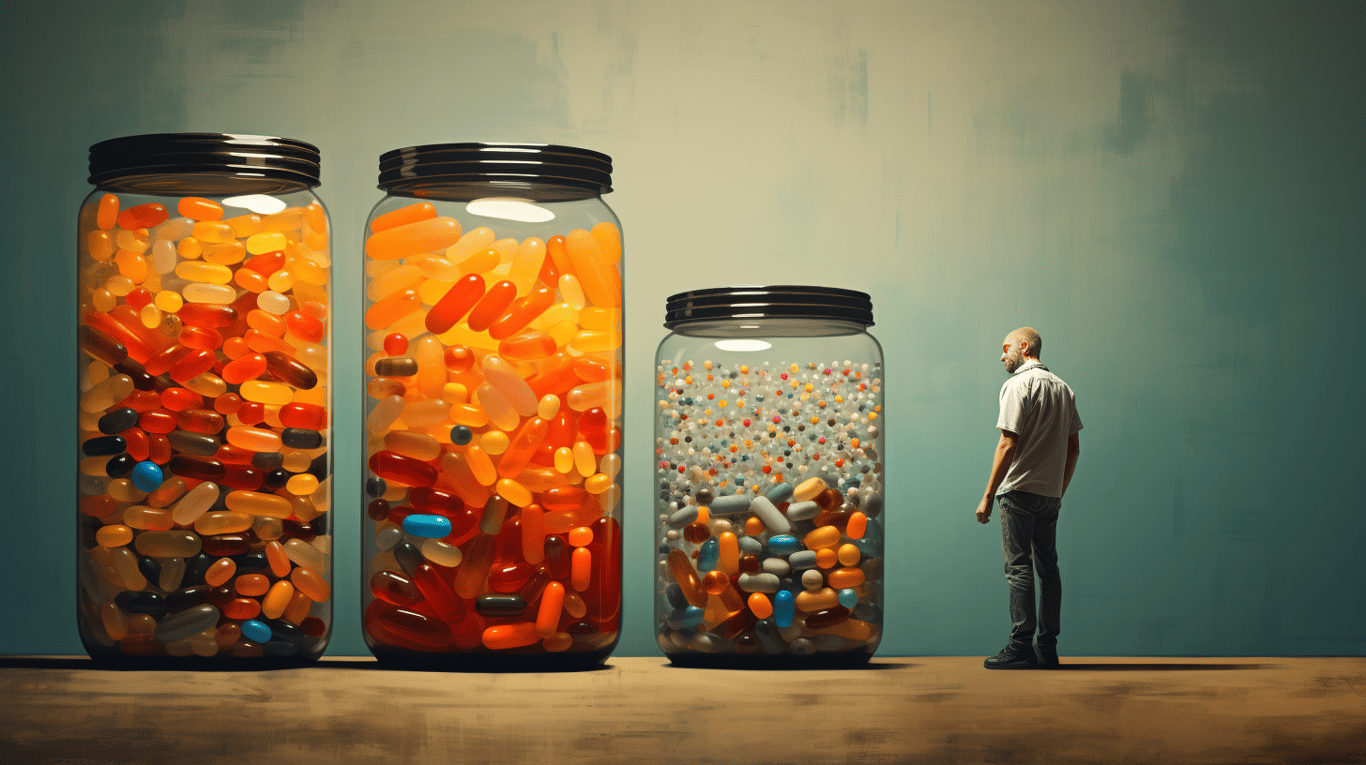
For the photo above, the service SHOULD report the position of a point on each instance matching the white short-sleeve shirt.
(1041, 409)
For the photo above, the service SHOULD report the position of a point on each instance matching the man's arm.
(1000, 463)
(1073, 452)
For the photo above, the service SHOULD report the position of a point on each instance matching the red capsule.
(392, 466)
(157, 421)
(200, 338)
(200, 421)
(206, 315)
(305, 327)
(180, 399)
(160, 363)
(138, 444)
(158, 448)
(393, 587)
(192, 365)
(492, 305)
(143, 216)
(457, 301)
(306, 416)
(243, 477)
(138, 298)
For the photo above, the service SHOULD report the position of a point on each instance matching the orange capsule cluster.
(203, 427)
(493, 417)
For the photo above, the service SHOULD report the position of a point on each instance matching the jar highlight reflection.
(493, 408)
(769, 478)
(203, 411)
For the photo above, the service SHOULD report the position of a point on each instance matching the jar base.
(578, 661)
(201, 664)
(847, 660)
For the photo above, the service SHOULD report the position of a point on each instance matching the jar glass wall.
(493, 409)
(769, 479)
(204, 401)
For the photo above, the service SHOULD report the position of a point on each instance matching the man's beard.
(1013, 361)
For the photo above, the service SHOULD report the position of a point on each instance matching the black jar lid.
(483, 163)
(777, 301)
(247, 156)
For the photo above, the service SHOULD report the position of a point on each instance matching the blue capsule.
(780, 493)
(256, 630)
(784, 608)
(848, 598)
(685, 617)
(867, 546)
(708, 556)
(427, 526)
(147, 475)
(783, 544)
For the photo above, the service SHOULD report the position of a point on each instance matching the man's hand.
(984, 511)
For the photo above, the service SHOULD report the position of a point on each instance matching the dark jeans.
(1031, 521)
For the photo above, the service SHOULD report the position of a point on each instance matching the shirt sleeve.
(1012, 406)
(1076, 418)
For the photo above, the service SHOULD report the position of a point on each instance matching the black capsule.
(582, 628)
(375, 487)
(195, 567)
(187, 597)
(149, 567)
(279, 648)
(267, 460)
(500, 605)
(275, 479)
(461, 435)
(193, 443)
(397, 366)
(318, 468)
(299, 438)
(120, 466)
(118, 420)
(704, 497)
(319, 524)
(101, 446)
(149, 603)
(253, 562)
(674, 594)
(297, 530)
(284, 631)
(409, 557)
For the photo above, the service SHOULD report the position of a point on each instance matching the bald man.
(1033, 465)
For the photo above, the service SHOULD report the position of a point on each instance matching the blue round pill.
(256, 630)
(147, 475)
(848, 598)
(426, 526)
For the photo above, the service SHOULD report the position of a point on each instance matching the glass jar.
(769, 478)
(204, 401)
(493, 403)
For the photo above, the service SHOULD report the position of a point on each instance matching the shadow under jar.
(493, 409)
(769, 479)
(204, 402)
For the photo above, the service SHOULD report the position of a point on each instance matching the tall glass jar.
(769, 478)
(493, 409)
(204, 401)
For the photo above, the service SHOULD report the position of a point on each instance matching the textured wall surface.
(1167, 191)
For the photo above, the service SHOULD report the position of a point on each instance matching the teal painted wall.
(1171, 193)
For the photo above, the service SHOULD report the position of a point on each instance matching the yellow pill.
(101, 246)
(599, 318)
(275, 602)
(209, 524)
(278, 394)
(480, 465)
(599, 278)
(608, 237)
(213, 294)
(226, 254)
(514, 492)
(808, 489)
(564, 459)
(572, 291)
(563, 332)
(584, 459)
(169, 301)
(189, 248)
(297, 462)
(199, 271)
(454, 393)
(266, 241)
(281, 281)
(258, 503)
(494, 442)
(302, 484)
(213, 232)
(133, 241)
(311, 583)
(479, 262)
(597, 483)
(104, 300)
(593, 341)
(150, 316)
(849, 555)
(473, 241)
(548, 406)
(131, 265)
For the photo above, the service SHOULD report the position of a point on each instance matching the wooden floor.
(641, 710)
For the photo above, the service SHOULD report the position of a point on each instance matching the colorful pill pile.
(770, 492)
(204, 470)
(493, 425)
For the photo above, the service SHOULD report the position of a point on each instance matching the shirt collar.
(1031, 364)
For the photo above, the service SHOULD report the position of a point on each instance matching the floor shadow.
(1164, 667)
(859, 668)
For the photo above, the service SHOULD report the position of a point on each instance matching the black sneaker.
(1047, 657)
(1007, 659)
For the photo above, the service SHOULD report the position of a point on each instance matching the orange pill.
(754, 527)
(848, 555)
(199, 208)
(415, 238)
(242, 608)
(858, 525)
(252, 585)
(504, 636)
(108, 213)
(403, 216)
(393, 308)
(760, 605)
(825, 536)
(522, 312)
(277, 599)
(275, 556)
(311, 583)
(552, 603)
(686, 576)
(581, 568)
(580, 537)
(220, 571)
(491, 306)
(826, 557)
(842, 578)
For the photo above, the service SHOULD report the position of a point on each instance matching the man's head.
(1024, 343)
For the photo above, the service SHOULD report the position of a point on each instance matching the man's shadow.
(1163, 667)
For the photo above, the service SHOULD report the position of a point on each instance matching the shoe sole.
(1011, 666)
